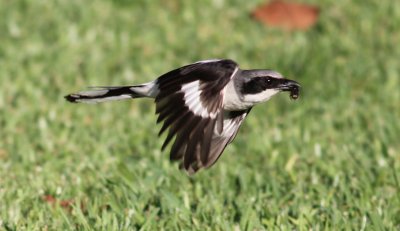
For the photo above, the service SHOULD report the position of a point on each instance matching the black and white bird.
(201, 104)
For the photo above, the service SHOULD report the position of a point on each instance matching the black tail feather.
(100, 94)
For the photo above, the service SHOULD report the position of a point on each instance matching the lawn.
(328, 161)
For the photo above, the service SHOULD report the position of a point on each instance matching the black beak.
(290, 85)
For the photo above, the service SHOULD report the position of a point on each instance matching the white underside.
(233, 101)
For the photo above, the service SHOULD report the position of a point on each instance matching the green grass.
(329, 161)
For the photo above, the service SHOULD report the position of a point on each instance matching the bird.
(202, 105)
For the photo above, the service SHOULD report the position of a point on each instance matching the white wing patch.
(192, 100)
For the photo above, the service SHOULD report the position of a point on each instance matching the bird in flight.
(202, 105)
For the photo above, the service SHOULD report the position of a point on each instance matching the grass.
(329, 161)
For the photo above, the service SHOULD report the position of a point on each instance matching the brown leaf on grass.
(66, 204)
(287, 15)
(49, 199)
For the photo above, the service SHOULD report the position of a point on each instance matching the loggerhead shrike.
(202, 104)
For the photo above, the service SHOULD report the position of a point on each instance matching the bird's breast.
(233, 100)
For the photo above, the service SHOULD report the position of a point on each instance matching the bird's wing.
(219, 141)
(189, 103)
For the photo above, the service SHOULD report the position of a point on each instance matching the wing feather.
(232, 123)
(189, 104)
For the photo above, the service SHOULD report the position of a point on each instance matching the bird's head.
(261, 85)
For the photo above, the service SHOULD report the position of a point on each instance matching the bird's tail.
(103, 94)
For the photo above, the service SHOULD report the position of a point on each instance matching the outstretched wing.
(189, 103)
(232, 122)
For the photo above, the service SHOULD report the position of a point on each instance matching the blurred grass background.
(327, 161)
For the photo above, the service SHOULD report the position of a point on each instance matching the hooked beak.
(290, 85)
